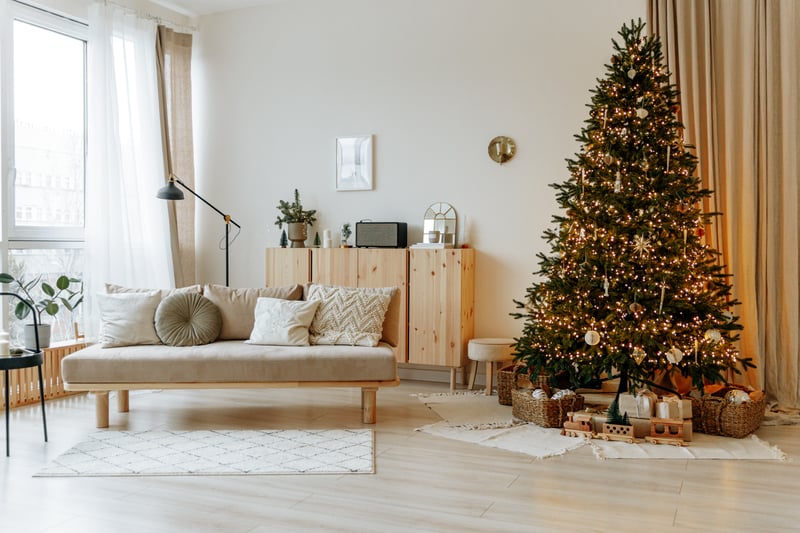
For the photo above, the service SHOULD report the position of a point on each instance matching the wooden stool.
(491, 351)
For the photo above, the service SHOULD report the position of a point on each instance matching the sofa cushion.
(128, 318)
(238, 306)
(282, 322)
(112, 288)
(229, 362)
(187, 319)
(347, 315)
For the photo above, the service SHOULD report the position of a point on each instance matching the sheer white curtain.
(127, 228)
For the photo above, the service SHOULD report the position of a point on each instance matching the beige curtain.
(174, 51)
(736, 64)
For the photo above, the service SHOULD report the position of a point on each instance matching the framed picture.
(354, 163)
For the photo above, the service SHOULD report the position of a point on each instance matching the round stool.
(491, 351)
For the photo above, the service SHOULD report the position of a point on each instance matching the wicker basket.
(717, 416)
(545, 413)
(508, 379)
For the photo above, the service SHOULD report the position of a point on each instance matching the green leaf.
(62, 282)
(51, 308)
(21, 310)
(6, 278)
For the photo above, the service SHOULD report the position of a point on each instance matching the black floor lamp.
(171, 192)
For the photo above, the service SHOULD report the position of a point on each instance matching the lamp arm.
(33, 312)
(182, 184)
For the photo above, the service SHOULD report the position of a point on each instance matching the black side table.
(14, 362)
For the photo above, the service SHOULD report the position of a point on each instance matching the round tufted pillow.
(187, 319)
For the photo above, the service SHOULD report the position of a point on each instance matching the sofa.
(214, 337)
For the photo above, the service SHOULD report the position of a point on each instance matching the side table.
(14, 362)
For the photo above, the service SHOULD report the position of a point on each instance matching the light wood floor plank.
(422, 483)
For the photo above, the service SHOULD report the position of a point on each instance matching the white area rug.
(218, 452)
(473, 417)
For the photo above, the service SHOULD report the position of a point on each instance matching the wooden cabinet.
(435, 304)
(440, 307)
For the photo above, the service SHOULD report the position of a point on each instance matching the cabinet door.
(288, 266)
(440, 309)
(335, 266)
(389, 268)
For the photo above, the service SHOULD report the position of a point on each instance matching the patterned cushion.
(347, 315)
(282, 322)
(187, 319)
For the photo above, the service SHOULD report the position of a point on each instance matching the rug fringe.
(777, 453)
(446, 394)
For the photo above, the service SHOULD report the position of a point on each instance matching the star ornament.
(641, 245)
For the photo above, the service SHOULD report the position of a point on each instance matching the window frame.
(33, 236)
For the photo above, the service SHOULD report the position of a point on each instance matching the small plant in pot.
(53, 298)
(296, 219)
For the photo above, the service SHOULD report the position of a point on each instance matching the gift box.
(673, 407)
(641, 405)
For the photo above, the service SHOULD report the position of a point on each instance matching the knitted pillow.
(282, 322)
(187, 319)
(347, 315)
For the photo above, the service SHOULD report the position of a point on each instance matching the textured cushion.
(187, 319)
(127, 319)
(282, 322)
(237, 306)
(347, 315)
(111, 288)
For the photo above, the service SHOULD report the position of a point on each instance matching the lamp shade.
(170, 191)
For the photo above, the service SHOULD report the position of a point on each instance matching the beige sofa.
(232, 363)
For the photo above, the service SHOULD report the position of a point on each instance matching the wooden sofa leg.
(101, 408)
(369, 405)
(122, 401)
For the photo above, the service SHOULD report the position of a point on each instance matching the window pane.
(49, 128)
(26, 265)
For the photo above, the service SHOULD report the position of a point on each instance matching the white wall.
(434, 81)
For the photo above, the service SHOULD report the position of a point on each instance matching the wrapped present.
(674, 407)
(642, 405)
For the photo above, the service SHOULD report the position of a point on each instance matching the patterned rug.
(473, 417)
(218, 452)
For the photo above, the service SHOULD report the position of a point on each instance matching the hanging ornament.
(663, 291)
(669, 149)
(674, 355)
(592, 338)
(685, 233)
(636, 308)
(639, 355)
(700, 232)
(645, 165)
(642, 112)
(605, 285)
(641, 245)
(608, 159)
(605, 116)
(618, 183)
(713, 335)
(728, 316)
(632, 73)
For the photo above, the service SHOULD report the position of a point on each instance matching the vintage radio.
(381, 234)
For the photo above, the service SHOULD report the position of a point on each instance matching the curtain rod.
(155, 18)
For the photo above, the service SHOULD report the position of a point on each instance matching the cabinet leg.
(453, 376)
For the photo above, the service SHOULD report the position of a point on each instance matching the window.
(44, 152)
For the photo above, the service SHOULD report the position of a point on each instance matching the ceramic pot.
(30, 336)
(297, 233)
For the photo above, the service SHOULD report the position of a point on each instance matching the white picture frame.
(354, 163)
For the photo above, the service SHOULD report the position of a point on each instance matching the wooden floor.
(423, 483)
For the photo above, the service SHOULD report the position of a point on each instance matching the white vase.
(30, 336)
(297, 233)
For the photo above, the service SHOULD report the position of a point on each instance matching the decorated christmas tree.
(630, 288)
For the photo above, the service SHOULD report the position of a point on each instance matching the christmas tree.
(630, 288)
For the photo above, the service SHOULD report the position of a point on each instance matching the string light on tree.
(663, 303)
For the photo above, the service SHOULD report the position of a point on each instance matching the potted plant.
(296, 219)
(50, 303)
(346, 232)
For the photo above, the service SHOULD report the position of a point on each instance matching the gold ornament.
(632, 73)
(674, 355)
(592, 338)
(638, 355)
(636, 308)
(642, 112)
(713, 335)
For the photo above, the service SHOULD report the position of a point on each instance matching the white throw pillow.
(282, 322)
(347, 315)
(127, 319)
